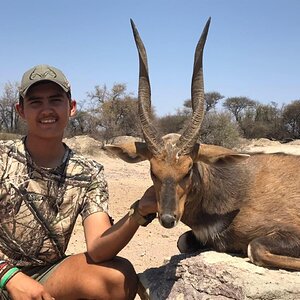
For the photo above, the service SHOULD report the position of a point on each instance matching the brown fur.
(230, 199)
(265, 189)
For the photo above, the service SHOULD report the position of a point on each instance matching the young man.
(44, 186)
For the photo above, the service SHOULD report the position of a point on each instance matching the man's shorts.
(40, 274)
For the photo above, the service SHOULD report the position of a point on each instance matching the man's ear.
(20, 109)
(73, 106)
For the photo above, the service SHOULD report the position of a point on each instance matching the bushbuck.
(232, 202)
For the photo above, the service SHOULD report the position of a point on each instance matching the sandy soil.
(152, 245)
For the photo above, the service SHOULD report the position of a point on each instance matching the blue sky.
(253, 47)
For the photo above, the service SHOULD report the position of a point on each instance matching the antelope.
(233, 202)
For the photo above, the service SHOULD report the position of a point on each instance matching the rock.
(217, 276)
(264, 142)
(84, 145)
(124, 139)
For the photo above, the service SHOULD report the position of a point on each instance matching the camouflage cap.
(42, 73)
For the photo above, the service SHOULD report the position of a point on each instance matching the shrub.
(219, 129)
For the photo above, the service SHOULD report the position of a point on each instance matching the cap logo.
(48, 73)
(43, 73)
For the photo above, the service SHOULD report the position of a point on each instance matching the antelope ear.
(211, 154)
(131, 152)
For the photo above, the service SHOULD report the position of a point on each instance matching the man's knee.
(125, 277)
(124, 266)
(120, 279)
(79, 277)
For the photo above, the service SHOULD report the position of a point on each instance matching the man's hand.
(24, 287)
(148, 204)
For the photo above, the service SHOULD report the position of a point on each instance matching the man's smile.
(48, 121)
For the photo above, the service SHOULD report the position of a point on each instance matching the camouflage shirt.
(39, 206)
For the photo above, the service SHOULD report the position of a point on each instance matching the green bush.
(218, 129)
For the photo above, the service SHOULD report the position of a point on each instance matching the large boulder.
(217, 276)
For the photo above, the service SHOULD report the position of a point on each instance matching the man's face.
(46, 110)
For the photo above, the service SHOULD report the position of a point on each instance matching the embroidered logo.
(46, 74)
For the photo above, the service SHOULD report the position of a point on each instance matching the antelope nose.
(167, 220)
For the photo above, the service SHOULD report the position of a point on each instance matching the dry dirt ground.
(151, 245)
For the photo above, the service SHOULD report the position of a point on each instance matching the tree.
(120, 117)
(100, 94)
(237, 105)
(211, 100)
(83, 123)
(9, 118)
(262, 120)
(291, 118)
(115, 110)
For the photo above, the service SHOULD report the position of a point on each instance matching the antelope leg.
(280, 249)
(187, 243)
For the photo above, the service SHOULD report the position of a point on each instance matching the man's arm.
(104, 241)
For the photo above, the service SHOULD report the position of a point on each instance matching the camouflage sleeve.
(96, 197)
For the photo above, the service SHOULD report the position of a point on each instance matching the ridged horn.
(152, 138)
(190, 135)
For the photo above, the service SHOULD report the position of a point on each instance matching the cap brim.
(24, 91)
